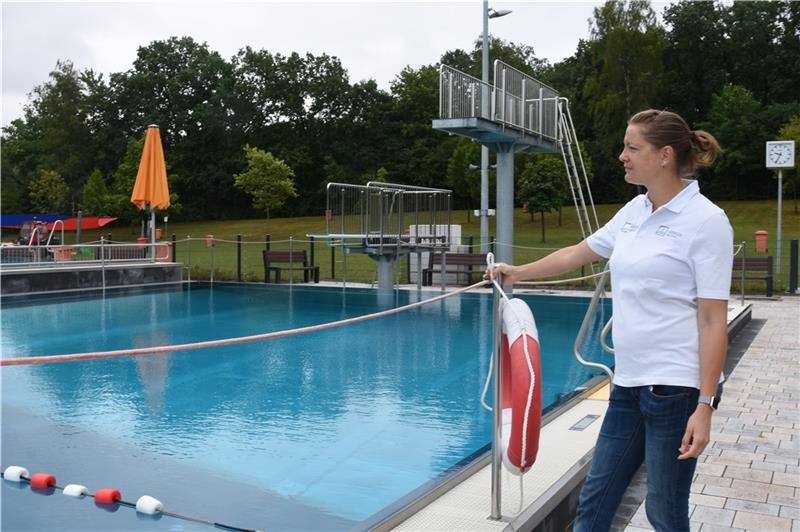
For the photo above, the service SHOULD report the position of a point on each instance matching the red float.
(522, 392)
(107, 496)
(42, 480)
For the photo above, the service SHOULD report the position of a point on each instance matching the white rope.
(50, 359)
(558, 281)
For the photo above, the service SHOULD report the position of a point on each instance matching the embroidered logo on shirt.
(628, 227)
(663, 230)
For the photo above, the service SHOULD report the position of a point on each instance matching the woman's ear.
(667, 155)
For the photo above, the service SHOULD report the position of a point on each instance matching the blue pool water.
(324, 430)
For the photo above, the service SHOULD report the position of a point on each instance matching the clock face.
(780, 154)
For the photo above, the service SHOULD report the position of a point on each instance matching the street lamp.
(487, 13)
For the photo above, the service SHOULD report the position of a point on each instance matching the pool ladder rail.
(587, 320)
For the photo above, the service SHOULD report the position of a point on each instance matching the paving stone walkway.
(749, 476)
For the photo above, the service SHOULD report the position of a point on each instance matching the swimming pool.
(323, 431)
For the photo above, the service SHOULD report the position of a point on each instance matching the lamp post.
(487, 14)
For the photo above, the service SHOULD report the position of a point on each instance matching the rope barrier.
(54, 359)
(558, 281)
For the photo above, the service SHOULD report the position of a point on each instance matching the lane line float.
(522, 389)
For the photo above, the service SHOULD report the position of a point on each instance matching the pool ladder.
(587, 320)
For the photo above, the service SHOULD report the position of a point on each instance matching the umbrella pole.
(152, 233)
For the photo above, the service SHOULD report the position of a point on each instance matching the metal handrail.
(524, 102)
(53, 230)
(604, 333)
(585, 327)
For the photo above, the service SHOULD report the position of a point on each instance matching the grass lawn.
(746, 218)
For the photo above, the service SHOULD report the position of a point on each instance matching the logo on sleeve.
(628, 227)
(664, 230)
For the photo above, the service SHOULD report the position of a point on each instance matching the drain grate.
(584, 422)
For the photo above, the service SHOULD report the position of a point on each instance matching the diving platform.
(517, 111)
(386, 221)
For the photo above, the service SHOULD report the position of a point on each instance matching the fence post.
(174, 248)
(238, 258)
(333, 262)
(311, 250)
(793, 266)
(291, 261)
(189, 256)
(469, 244)
(744, 254)
(103, 260)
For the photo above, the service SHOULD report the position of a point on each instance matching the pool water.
(323, 430)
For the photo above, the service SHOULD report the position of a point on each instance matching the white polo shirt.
(661, 262)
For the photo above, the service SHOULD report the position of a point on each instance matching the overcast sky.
(373, 39)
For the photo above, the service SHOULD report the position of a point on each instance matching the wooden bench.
(291, 258)
(454, 260)
(755, 269)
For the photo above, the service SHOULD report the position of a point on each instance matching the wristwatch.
(709, 400)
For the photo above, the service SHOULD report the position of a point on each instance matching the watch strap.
(709, 400)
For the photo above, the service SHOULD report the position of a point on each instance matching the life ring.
(521, 398)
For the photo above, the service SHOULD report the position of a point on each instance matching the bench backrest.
(460, 259)
(759, 264)
(285, 256)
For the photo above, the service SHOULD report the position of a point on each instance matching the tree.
(695, 56)
(735, 120)
(617, 72)
(267, 179)
(48, 192)
(791, 131)
(541, 186)
(95, 195)
(466, 183)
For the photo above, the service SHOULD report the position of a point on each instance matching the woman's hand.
(508, 272)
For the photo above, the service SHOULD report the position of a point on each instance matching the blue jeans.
(642, 424)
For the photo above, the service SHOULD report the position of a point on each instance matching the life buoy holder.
(521, 397)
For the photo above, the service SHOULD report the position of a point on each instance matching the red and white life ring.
(522, 392)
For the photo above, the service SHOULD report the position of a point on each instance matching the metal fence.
(524, 102)
(86, 253)
(516, 99)
(378, 215)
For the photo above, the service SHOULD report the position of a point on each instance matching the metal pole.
(189, 256)
(238, 258)
(497, 423)
(744, 254)
(484, 218)
(780, 220)
(505, 204)
(793, 266)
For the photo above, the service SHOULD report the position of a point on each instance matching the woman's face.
(641, 160)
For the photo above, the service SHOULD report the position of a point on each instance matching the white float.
(15, 473)
(148, 505)
(76, 490)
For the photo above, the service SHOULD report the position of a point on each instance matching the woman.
(671, 252)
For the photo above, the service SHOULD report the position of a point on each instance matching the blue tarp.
(15, 221)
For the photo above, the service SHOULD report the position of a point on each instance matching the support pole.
(497, 413)
(505, 205)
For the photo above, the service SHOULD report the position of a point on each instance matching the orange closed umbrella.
(151, 187)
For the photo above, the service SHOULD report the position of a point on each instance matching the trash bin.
(142, 240)
(158, 233)
(209, 241)
(761, 241)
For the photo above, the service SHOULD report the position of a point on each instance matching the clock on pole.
(780, 155)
